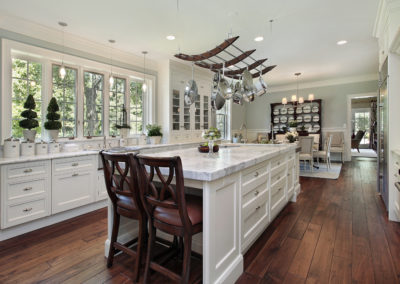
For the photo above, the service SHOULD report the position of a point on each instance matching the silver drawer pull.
(279, 163)
(74, 175)
(256, 192)
(280, 189)
(27, 188)
(75, 164)
(258, 207)
(28, 171)
(256, 174)
(27, 209)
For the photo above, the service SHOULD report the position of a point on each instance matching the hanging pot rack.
(230, 67)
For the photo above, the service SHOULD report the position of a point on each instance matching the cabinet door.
(197, 114)
(101, 187)
(71, 190)
(206, 112)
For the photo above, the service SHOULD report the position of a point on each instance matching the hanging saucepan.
(237, 97)
(248, 96)
(260, 86)
(191, 92)
(216, 79)
(217, 100)
(247, 80)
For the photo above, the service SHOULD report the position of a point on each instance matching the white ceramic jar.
(11, 148)
(54, 148)
(41, 148)
(27, 149)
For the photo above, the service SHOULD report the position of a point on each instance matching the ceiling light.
(341, 42)
(171, 37)
(259, 38)
(62, 71)
(144, 86)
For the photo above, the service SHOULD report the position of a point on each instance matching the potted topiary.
(303, 131)
(29, 122)
(154, 133)
(292, 126)
(53, 124)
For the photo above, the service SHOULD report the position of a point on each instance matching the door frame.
(347, 137)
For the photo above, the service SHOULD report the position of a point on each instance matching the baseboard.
(233, 272)
(50, 220)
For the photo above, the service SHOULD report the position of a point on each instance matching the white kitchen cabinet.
(74, 182)
(25, 192)
(101, 189)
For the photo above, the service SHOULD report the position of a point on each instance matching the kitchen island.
(244, 187)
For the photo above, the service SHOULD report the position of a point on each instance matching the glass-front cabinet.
(189, 117)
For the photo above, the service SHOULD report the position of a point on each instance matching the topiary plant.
(29, 115)
(153, 130)
(52, 116)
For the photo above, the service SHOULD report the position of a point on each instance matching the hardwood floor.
(337, 232)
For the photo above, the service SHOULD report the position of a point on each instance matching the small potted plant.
(53, 123)
(29, 122)
(124, 126)
(154, 133)
(236, 138)
(303, 131)
(291, 136)
(211, 135)
(292, 126)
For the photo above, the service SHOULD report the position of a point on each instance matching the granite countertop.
(229, 159)
(23, 159)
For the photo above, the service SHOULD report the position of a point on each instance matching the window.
(26, 79)
(222, 120)
(93, 104)
(117, 101)
(64, 90)
(136, 107)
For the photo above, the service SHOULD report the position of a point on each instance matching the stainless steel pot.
(237, 97)
(217, 100)
(247, 80)
(191, 92)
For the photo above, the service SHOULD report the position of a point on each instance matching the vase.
(53, 134)
(210, 147)
(29, 135)
(155, 140)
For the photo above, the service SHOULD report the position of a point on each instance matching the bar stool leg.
(150, 247)
(114, 235)
(139, 250)
(187, 243)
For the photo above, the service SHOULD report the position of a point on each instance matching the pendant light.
(111, 41)
(62, 71)
(144, 86)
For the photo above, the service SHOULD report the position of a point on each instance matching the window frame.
(11, 49)
(125, 96)
(228, 119)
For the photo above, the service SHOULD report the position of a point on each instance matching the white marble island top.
(230, 159)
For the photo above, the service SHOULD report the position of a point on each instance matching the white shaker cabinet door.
(72, 189)
(101, 189)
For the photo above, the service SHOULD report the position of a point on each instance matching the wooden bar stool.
(168, 210)
(121, 177)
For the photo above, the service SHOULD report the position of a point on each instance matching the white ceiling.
(302, 39)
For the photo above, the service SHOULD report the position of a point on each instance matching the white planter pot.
(11, 149)
(155, 139)
(235, 140)
(124, 132)
(29, 135)
(41, 148)
(27, 149)
(53, 134)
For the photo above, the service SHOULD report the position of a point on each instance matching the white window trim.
(47, 58)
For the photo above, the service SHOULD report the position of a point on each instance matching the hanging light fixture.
(111, 41)
(144, 86)
(294, 97)
(62, 71)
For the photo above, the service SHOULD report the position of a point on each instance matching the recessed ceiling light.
(341, 42)
(259, 38)
(171, 37)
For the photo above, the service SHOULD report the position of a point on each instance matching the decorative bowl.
(205, 149)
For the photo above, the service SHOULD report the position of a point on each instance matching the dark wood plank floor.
(337, 232)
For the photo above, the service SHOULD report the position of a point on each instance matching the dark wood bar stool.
(169, 210)
(121, 177)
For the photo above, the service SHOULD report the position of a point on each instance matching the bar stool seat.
(126, 202)
(194, 205)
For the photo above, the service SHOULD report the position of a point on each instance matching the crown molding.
(324, 83)
(52, 35)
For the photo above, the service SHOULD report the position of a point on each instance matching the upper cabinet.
(193, 117)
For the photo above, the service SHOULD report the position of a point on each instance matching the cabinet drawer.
(21, 213)
(27, 189)
(277, 208)
(290, 163)
(72, 190)
(278, 191)
(256, 172)
(290, 179)
(253, 194)
(71, 164)
(253, 219)
(278, 173)
(291, 156)
(277, 161)
(254, 204)
(24, 170)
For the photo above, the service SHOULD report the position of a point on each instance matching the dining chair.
(121, 178)
(316, 141)
(326, 153)
(337, 145)
(306, 153)
(169, 210)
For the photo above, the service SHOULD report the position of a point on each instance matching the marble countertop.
(231, 159)
(22, 159)
(396, 151)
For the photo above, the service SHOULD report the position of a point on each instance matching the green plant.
(303, 128)
(293, 124)
(29, 114)
(153, 130)
(211, 134)
(53, 118)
